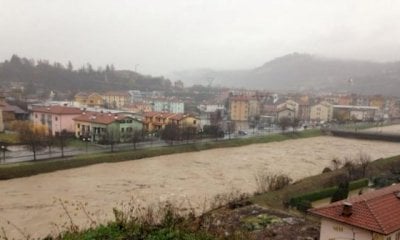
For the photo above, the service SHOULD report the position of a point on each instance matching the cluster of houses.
(134, 101)
(95, 125)
(268, 108)
(94, 114)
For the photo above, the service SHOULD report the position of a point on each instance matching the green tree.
(341, 193)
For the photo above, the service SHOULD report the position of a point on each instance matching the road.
(21, 154)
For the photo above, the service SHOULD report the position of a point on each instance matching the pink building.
(371, 216)
(55, 118)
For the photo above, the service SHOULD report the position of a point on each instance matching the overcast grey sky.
(167, 35)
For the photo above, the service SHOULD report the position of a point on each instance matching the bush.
(341, 193)
(324, 193)
(326, 170)
(304, 205)
(271, 182)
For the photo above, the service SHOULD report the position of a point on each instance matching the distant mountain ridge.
(296, 72)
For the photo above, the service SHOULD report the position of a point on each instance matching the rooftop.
(101, 118)
(377, 211)
(57, 109)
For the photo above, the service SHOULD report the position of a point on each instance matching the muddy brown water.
(186, 179)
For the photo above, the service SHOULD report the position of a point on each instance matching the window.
(36, 116)
(56, 118)
(122, 129)
(398, 236)
(338, 228)
(194, 121)
(79, 125)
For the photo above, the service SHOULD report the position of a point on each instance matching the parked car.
(242, 133)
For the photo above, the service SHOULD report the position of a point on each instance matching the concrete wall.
(332, 230)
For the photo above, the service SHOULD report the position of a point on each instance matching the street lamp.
(3, 149)
(86, 140)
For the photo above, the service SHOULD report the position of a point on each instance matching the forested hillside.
(45, 76)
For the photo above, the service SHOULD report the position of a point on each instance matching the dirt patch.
(256, 222)
(188, 178)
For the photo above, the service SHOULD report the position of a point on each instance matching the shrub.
(303, 205)
(341, 193)
(271, 182)
(326, 170)
(325, 193)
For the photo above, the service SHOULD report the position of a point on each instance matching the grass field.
(276, 199)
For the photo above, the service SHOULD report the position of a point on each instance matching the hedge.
(298, 201)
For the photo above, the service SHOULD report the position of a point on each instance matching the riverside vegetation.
(273, 208)
(25, 169)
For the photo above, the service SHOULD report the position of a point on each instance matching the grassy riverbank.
(25, 169)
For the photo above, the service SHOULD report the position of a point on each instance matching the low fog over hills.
(306, 72)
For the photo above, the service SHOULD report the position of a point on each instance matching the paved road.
(20, 154)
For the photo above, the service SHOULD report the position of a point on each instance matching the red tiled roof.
(12, 108)
(101, 118)
(173, 116)
(159, 114)
(179, 116)
(377, 211)
(57, 110)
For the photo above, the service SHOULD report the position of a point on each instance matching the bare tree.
(295, 123)
(230, 128)
(188, 133)
(33, 136)
(134, 137)
(111, 137)
(170, 133)
(50, 142)
(336, 163)
(284, 123)
(364, 161)
(61, 140)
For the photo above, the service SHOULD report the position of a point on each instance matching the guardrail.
(366, 135)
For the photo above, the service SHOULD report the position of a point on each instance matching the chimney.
(347, 209)
(397, 194)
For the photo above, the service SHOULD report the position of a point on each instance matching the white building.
(371, 216)
(172, 106)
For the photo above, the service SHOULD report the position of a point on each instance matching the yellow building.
(377, 101)
(321, 112)
(239, 108)
(116, 99)
(89, 99)
(140, 107)
(289, 104)
(154, 121)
